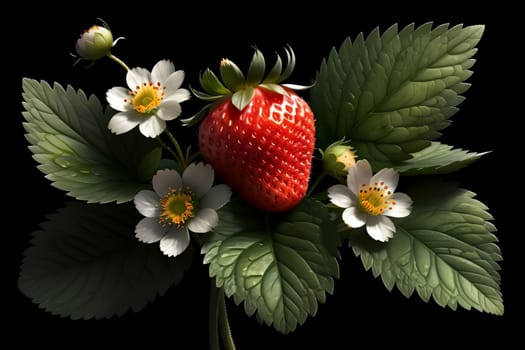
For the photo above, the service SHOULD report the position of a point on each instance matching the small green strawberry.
(258, 135)
(338, 158)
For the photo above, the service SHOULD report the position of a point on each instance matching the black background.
(195, 37)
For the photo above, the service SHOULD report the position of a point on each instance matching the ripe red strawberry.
(259, 136)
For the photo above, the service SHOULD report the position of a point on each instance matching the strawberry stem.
(316, 182)
(192, 157)
(166, 147)
(180, 157)
(118, 60)
(224, 324)
(213, 316)
(218, 320)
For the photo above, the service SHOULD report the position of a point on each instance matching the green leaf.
(392, 93)
(279, 265)
(205, 96)
(86, 263)
(242, 98)
(290, 65)
(196, 118)
(256, 69)
(437, 159)
(445, 249)
(148, 162)
(71, 142)
(275, 88)
(232, 75)
(212, 84)
(275, 73)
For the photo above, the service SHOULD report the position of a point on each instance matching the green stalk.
(224, 324)
(166, 147)
(317, 182)
(181, 157)
(218, 320)
(213, 317)
(118, 60)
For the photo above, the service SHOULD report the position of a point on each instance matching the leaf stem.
(118, 60)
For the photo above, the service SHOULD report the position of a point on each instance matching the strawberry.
(258, 135)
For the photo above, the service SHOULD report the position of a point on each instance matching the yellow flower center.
(177, 207)
(147, 98)
(374, 199)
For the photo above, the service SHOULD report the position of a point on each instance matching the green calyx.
(241, 88)
(338, 158)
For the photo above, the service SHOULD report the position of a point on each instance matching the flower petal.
(147, 203)
(118, 99)
(216, 197)
(175, 241)
(123, 122)
(162, 71)
(164, 180)
(137, 77)
(174, 82)
(180, 95)
(205, 220)
(380, 228)
(389, 176)
(359, 174)
(198, 177)
(152, 126)
(341, 196)
(354, 217)
(169, 110)
(148, 230)
(403, 206)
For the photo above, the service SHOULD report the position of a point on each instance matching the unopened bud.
(94, 43)
(338, 158)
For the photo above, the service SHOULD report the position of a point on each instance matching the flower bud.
(94, 43)
(338, 158)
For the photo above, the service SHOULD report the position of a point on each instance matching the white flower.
(370, 199)
(179, 204)
(152, 99)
